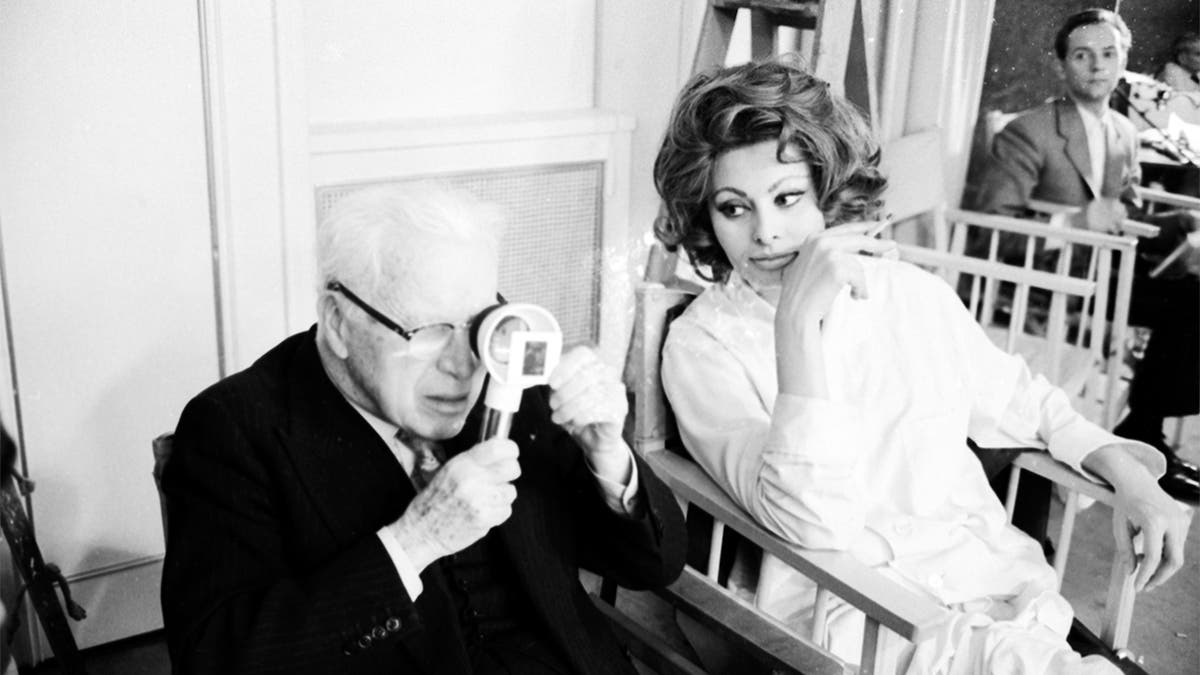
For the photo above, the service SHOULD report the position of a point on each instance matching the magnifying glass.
(519, 344)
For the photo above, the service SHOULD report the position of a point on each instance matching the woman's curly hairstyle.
(721, 110)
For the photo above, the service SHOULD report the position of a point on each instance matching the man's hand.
(1105, 214)
(588, 400)
(469, 495)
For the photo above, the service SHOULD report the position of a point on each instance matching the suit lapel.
(1070, 128)
(351, 476)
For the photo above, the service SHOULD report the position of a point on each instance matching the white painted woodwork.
(379, 59)
(259, 154)
(108, 276)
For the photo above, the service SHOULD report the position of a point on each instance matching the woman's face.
(762, 210)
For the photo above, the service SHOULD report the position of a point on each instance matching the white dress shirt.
(881, 467)
(1094, 128)
(620, 498)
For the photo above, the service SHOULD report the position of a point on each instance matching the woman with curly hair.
(830, 389)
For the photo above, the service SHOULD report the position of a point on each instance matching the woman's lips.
(771, 263)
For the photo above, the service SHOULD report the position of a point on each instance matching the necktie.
(427, 457)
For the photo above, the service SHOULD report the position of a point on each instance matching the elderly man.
(331, 509)
(1077, 151)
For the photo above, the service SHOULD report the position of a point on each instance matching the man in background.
(1182, 72)
(332, 510)
(1077, 151)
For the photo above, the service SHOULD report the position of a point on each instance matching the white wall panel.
(107, 253)
(380, 59)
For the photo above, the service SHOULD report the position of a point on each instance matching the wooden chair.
(1097, 267)
(1080, 344)
(40, 578)
(654, 436)
(1049, 353)
(697, 593)
(1078, 339)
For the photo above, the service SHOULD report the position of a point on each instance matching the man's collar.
(385, 429)
(1086, 112)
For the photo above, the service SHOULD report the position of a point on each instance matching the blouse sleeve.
(791, 467)
(1013, 407)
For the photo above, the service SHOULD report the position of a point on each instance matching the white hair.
(371, 237)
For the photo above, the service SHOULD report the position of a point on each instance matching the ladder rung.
(794, 13)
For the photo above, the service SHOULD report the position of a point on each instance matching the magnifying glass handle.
(496, 424)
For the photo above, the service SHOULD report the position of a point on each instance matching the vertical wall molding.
(210, 154)
(258, 172)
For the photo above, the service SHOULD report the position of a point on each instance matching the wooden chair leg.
(1118, 606)
(38, 580)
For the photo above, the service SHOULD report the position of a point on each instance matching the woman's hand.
(1142, 508)
(825, 263)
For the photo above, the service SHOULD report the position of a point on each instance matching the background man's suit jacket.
(1043, 154)
(276, 488)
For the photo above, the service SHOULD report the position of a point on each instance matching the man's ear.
(332, 324)
(1059, 69)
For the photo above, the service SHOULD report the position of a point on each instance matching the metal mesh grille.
(551, 250)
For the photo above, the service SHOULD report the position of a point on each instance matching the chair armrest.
(1052, 208)
(1139, 229)
(1046, 466)
(1128, 226)
(906, 613)
(781, 648)
(645, 645)
(1168, 198)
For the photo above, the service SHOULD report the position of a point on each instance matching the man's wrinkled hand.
(469, 495)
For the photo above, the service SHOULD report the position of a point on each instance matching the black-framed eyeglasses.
(427, 339)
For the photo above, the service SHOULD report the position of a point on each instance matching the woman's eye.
(731, 209)
(788, 198)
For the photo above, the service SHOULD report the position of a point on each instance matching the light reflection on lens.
(502, 337)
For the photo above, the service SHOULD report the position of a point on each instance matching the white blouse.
(882, 467)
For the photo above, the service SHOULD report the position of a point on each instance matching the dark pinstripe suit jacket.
(275, 490)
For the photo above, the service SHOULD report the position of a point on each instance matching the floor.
(1165, 636)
